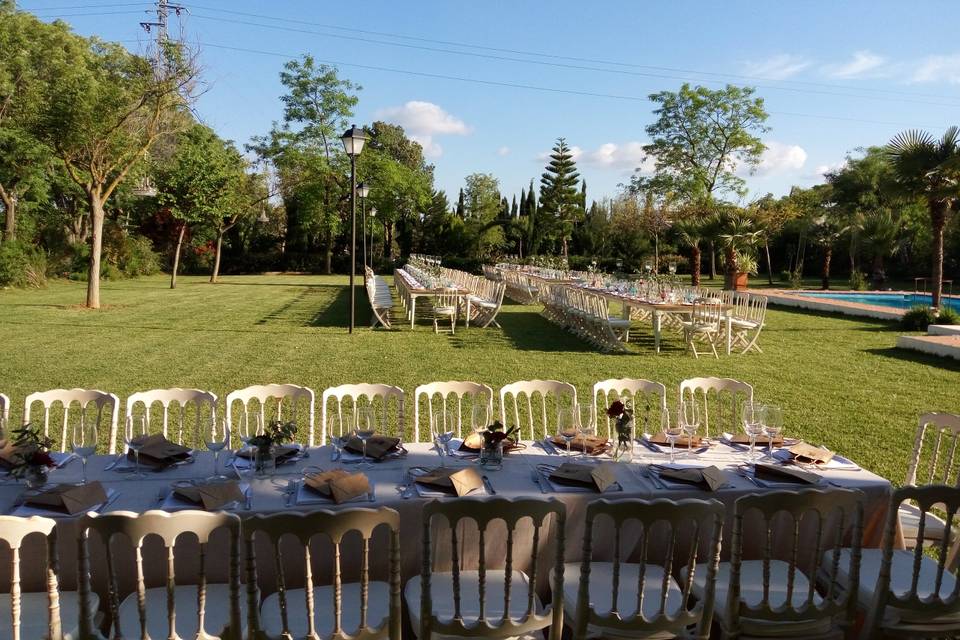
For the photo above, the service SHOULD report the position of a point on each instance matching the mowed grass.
(840, 380)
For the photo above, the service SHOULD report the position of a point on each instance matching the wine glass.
(439, 423)
(586, 423)
(672, 430)
(567, 427)
(216, 436)
(772, 424)
(689, 420)
(751, 414)
(339, 441)
(134, 436)
(366, 429)
(83, 442)
(480, 415)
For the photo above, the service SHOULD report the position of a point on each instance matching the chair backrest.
(261, 395)
(707, 314)
(830, 520)
(4, 414)
(377, 397)
(720, 397)
(448, 297)
(659, 520)
(13, 531)
(924, 599)
(483, 512)
(457, 397)
(136, 528)
(648, 399)
(750, 307)
(935, 446)
(523, 401)
(101, 400)
(334, 526)
(187, 403)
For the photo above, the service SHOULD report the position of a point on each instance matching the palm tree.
(825, 231)
(738, 235)
(881, 230)
(928, 168)
(690, 232)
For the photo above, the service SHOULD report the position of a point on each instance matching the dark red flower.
(615, 410)
(42, 458)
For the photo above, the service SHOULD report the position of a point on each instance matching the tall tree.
(559, 199)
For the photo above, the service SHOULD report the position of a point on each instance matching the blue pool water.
(892, 300)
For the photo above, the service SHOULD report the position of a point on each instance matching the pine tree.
(559, 198)
(583, 194)
(461, 206)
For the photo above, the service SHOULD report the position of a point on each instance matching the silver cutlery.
(115, 462)
(371, 495)
(536, 479)
(754, 481)
(549, 447)
(290, 492)
(489, 486)
(108, 502)
(654, 478)
(248, 503)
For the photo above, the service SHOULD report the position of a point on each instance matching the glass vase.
(265, 461)
(491, 457)
(36, 477)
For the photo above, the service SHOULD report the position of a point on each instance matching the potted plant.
(274, 434)
(745, 265)
(738, 237)
(31, 459)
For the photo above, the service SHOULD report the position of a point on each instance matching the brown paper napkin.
(598, 476)
(591, 445)
(211, 496)
(742, 438)
(781, 473)
(803, 452)
(682, 441)
(71, 498)
(338, 485)
(474, 442)
(710, 477)
(377, 447)
(159, 453)
(458, 482)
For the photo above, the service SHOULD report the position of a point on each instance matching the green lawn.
(840, 380)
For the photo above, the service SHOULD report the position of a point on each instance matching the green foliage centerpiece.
(494, 438)
(265, 444)
(30, 458)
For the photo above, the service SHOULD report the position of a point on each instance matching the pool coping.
(798, 300)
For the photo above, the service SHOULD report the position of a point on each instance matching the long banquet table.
(515, 479)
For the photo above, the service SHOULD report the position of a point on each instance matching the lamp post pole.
(363, 190)
(353, 140)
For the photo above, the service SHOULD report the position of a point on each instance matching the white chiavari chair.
(43, 614)
(531, 395)
(259, 397)
(4, 415)
(445, 308)
(456, 397)
(342, 610)
(486, 602)
(717, 397)
(775, 596)
(934, 461)
(183, 403)
(200, 611)
(703, 326)
(641, 598)
(646, 398)
(749, 316)
(386, 401)
(101, 400)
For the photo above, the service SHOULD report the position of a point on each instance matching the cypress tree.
(461, 206)
(559, 198)
(514, 212)
(523, 203)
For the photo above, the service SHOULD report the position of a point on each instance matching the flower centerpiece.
(274, 434)
(494, 438)
(624, 427)
(31, 459)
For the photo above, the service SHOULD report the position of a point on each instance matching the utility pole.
(160, 26)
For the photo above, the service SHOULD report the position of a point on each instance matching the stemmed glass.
(134, 436)
(439, 421)
(216, 436)
(672, 430)
(83, 442)
(586, 423)
(480, 415)
(689, 420)
(751, 414)
(567, 427)
(338, 441)
(366, 429)
(772, 424)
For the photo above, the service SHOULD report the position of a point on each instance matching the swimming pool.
(891, 300)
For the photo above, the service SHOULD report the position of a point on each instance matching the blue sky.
(835, 75)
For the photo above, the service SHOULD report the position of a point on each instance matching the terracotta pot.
(737, 281)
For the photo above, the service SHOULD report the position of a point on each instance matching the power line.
(89, 13)
(91, 6)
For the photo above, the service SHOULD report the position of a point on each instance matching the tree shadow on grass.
(877, 324)
(529, 331)
(917, 357)
(336, 309)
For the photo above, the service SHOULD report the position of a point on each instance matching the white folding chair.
(934, 461)
(718, 396)
(647, 398)
(101, 400)
(445, 308)
(560, 394)
(201, 404)
(4, 414)
(456, 397)
(373, 396)
(703, 326)
(257, 398)
(749, 316)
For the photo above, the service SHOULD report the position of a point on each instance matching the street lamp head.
(363, 190)
(373, 212)
(353, 140)
(262, 218)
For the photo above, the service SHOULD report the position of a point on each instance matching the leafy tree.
(772, 215)
(482, 206)
(560, 202)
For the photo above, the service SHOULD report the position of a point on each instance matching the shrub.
(796, 279)
(140, 259)
(858, 280)
(948, 315)
(918, 318)
(22, 265)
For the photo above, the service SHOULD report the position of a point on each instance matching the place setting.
(329, 487)
(445, 482)
(211, 494)
(148, 452)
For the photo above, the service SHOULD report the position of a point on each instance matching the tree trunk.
(96, 248)
(10, 205)
(176, 257)
(713, 260)
(388, 243)
(656, 253)
(766, 247)
(216, 257)
(695, 266)
(878, 274)
(328, 257)
(825, 275)
(938, 221)
(566, 256)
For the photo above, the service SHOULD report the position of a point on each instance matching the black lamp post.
(363, 190)
(353, 140)
(373, 216)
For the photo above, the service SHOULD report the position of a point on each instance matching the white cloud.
(821, 170)
(779, 67)
(503, 151)
(424, 120)
(862, 63)
(624, 157)
(780, 158)
(942, 68)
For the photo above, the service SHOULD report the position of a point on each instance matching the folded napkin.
(69, 498)
(710, 478)
(742, 438)
(782, 473)
(159, 453)
(596, 476)
(452, 481)
(803, 452)
(338, 485)
(378, 447)
(682, 441)
(591, 445)
(210, 496)
(474, 442)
